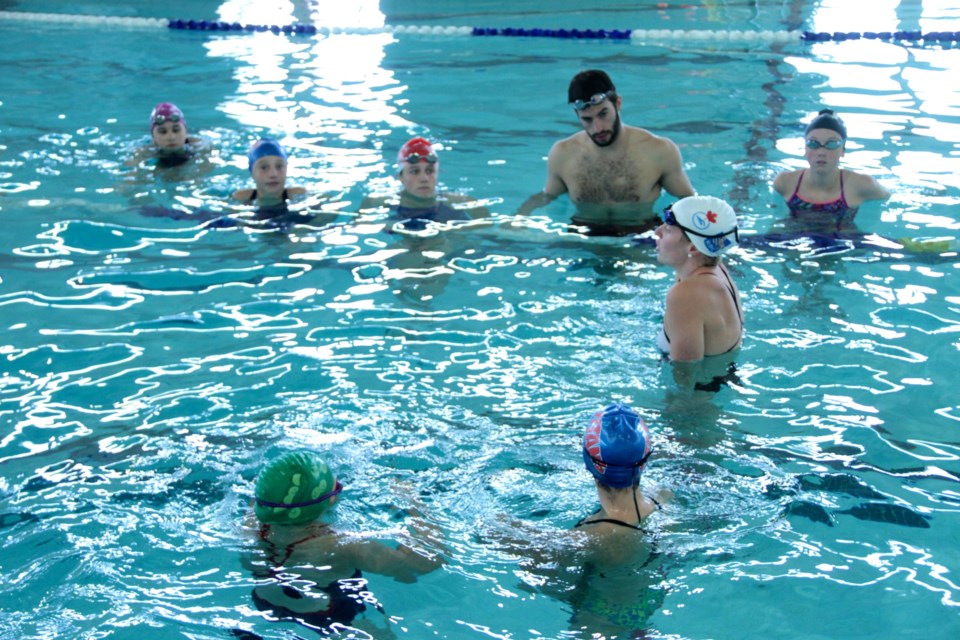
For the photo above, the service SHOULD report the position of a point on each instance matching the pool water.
(152, 363)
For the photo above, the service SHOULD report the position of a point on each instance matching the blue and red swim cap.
(616, 445)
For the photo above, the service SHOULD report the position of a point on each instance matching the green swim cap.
(295, 489)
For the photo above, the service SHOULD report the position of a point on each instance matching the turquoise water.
(151, 364)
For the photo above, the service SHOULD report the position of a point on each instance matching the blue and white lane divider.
(912, 37)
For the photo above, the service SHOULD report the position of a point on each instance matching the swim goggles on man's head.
(833, 145)
(592, 101)
(160, 119)
(670, 219)
(415, 158)
(337, 488)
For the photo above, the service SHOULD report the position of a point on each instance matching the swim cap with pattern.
(295, 489)
(616, 445)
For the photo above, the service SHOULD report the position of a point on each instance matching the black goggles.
(638, 463)
(833, 145)
(160, 119)
(416, 158)
(309, 503)
(592, 101)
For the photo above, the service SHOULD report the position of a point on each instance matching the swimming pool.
(151, 364)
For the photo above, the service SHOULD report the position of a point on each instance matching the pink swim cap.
(166, 112)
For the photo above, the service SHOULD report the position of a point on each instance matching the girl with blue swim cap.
(267, 162)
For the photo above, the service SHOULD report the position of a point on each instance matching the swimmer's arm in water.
(404, 563)
(683, 322)
(867, 188)
(555, 186)
(785, 182)
(672, 177)
(475, 211)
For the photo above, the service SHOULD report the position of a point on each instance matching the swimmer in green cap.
(310, 572)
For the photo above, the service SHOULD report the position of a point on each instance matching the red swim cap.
(420, 148)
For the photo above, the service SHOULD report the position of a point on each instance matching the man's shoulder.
(638, 136)
(571, 142)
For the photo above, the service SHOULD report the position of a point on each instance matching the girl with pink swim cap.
(171, 145)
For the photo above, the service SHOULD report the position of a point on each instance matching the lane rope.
(910, 37)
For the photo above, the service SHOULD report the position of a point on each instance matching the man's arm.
(672, 176)
(555, 185)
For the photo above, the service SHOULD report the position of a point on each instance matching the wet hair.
(827, 119)
(589, 83)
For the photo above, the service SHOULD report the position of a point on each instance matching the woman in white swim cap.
(703, 315)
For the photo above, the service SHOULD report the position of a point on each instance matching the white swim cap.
(710, 223)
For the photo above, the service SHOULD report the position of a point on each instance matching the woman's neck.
(620, 505)
(825, 179)
(412, 201)
(694, 265)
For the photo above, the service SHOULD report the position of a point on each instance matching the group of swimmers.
(613, 173)
(296, 531)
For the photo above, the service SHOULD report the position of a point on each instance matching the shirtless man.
(613, 172)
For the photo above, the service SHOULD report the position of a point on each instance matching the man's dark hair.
(589, 83)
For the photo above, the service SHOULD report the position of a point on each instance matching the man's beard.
(613, 134)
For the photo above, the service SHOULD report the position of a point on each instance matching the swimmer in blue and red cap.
(267, 162)
(824, 197)
(616, 447)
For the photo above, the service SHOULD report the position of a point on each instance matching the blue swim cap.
(827, 119)
(265, 147)
(616, 445)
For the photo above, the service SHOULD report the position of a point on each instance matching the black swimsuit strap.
(636, 506)
(611, 521)
(284, 195)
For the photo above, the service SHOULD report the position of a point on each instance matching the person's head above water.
(265, 148)
(295, 488)
(708, 222)
(590, 87)
(418, 166)
(168, 128)
(616, 445)
(827, 119)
